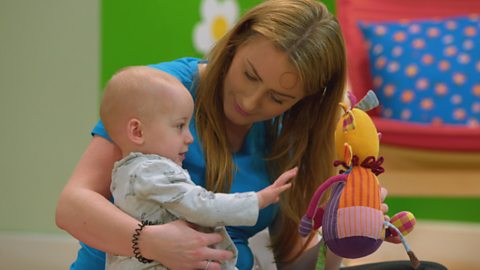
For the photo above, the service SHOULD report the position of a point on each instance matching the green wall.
(150, 31)
(437, 208)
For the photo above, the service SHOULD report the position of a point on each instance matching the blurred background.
(55, 57)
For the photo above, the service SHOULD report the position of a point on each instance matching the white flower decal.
(217, 17)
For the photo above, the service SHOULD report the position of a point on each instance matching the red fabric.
(453, 138)
(349, 12)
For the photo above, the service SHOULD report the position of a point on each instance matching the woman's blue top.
(250, 174)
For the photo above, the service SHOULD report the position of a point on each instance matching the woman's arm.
(332, 261)
(84, 211)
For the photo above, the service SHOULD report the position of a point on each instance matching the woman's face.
(260, 84)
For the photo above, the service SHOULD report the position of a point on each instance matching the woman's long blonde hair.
(303, 135)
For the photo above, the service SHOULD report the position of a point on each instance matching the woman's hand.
(179, 246)
(384, 207)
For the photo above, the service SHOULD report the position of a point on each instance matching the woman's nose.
(252, 101)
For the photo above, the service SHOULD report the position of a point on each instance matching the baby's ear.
(135, 131)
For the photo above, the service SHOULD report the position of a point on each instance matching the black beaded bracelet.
(135, 238)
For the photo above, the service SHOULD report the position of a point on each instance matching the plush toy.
(353, 224)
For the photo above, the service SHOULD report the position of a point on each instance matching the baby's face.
(168, 133)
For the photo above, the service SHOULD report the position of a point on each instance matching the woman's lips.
(240, 110)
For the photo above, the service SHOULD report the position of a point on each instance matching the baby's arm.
(271, 194)
(170, 186)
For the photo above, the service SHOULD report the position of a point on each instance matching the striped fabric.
(329, 226)
(362, 189)
(368, 102)
(360, 221)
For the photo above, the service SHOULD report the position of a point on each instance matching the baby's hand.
(271, 194)
(384, 208)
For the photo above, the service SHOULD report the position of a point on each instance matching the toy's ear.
(347, 153)
(368, 102)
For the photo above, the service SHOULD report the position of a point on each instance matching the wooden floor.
(36, 251)
(455, 245)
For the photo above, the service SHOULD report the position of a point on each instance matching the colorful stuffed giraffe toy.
(353, 224)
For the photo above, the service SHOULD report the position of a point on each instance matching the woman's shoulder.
(181, 67)
(184, 69)
(183, 61)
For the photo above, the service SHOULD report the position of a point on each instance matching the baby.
(147, 112)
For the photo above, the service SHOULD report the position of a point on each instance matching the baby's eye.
(181, 126)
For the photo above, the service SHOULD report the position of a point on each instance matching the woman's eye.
(180, 126)
(250, 77)
(276, 99)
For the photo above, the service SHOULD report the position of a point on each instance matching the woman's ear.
(135, 131)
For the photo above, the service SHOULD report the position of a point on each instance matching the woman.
(266, 101)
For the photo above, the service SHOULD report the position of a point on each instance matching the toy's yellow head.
(356, 133)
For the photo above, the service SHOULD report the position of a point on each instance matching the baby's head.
(147, 110)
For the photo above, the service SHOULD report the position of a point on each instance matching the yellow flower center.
(219, 27)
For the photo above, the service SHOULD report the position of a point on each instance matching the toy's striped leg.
(413, 259)
(308, 221)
